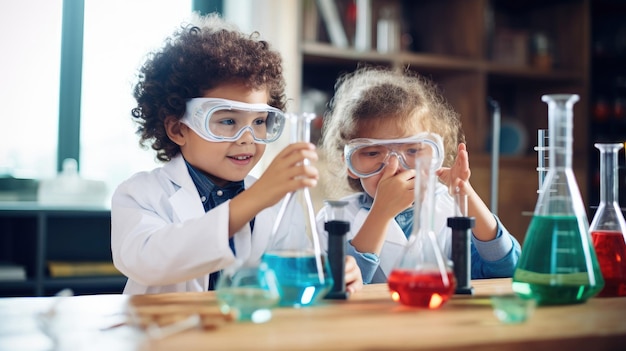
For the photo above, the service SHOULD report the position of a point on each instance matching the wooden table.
(369, 320)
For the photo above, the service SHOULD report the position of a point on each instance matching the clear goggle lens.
(367, 157)
(221, 120)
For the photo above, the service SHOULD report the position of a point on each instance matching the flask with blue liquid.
(294, 251)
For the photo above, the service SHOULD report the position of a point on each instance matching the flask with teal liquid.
(294, 253)
(558, 264)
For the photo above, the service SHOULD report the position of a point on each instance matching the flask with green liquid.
(558, 264)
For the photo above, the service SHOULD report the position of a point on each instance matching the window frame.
(70, 89)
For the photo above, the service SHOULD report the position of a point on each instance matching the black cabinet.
(32, 236)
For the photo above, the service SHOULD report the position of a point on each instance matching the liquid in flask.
(558, 264)
(423, 277)
(294, 252)
(608, 226)
(247, 292)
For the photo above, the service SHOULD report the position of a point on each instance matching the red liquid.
(611, 251)
(420, 289)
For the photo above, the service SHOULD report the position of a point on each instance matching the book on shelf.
(59, 269)
(363, 35)
(310, 21)
(10, 271)
(334, 26)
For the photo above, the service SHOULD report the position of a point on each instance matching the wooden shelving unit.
(453, 43)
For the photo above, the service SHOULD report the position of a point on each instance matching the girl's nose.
(393, 161)
(246, 137)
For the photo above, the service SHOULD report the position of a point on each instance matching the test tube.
(460, 201)
(337, 228)
(461, 226)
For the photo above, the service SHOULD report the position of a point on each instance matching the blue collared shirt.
(486, 257)
(211, 196)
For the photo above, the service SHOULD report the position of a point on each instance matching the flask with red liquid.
(423, 277)
(608, 226)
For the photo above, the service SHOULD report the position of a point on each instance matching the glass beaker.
(294, 252)
(608, 226)
(423, 276)
(248, 292)
(558, 264)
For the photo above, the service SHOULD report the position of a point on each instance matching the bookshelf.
(607, 110)
(511, 51)
(32, 236)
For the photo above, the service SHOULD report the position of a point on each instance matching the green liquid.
(558, 264)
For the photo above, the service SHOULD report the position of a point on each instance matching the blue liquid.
(298, 278)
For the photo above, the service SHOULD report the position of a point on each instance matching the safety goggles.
(367, 157)
(221, 120)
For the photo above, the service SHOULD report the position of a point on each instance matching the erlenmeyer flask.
(558, 264)
(294, 252)
(608, 226)
(247, 292)
(423, 276)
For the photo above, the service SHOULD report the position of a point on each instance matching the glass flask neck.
(301, 129)
(608, 172)
(424, 204)
(294, 251)
(301, 126)
(560, 129)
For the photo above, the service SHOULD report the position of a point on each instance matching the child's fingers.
(462, 148)
(293, 155)
(297, 153)
(354, 280)
(390, 168)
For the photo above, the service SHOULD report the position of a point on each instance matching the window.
(118, 34)
(29, 88)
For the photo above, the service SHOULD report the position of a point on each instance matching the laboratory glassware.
(337, 227)
(558, 264)
(608, 227)
(423, 276)
(294, 252)
(542, 157)
(247, 292)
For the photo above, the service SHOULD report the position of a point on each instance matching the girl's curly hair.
(372, 96)
(200, 55)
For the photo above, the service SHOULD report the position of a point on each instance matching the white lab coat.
(162, 239)
(395, 239)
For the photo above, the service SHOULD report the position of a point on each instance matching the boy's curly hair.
(373, 96)
(200, 55)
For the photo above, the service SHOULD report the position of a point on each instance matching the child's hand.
(354, 280)
(395, 190)
(285, 174)
(288, 173)
(458, 175)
